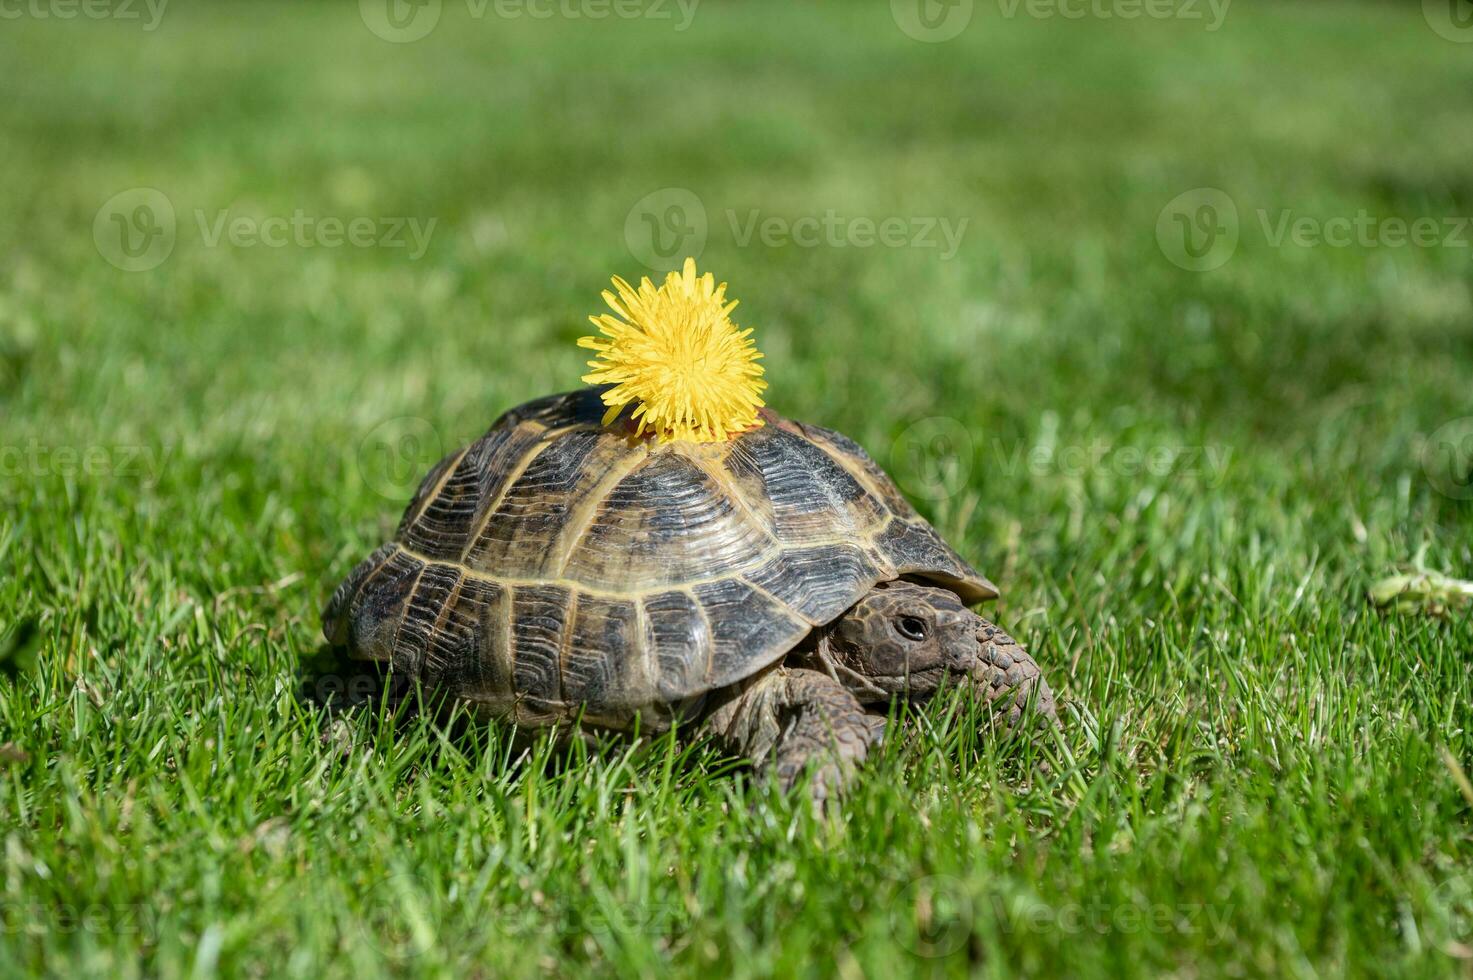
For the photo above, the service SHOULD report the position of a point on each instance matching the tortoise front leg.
(796, 720)
(1010, 679)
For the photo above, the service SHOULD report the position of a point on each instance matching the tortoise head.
(905, 639)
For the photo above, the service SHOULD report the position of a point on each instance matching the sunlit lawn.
(1185, 481)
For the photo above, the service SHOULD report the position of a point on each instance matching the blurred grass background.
(1249, 739)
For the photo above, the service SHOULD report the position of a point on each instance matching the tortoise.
(775, 590)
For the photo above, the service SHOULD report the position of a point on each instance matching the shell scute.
(519, 526)
(818, 582)
(809, 495)
(538, 615)
(607, 664)
(668, 523)
(446, 524)
(472, 643)
(365, 611)
(681, 640)
(876, 480)
(743, 620)
(420, 645)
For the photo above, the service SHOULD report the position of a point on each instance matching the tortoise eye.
(911, 627)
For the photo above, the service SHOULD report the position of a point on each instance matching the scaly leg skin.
(796, 720)
(1011, 678)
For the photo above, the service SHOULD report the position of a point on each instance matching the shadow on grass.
(360, 699)
(364, 703)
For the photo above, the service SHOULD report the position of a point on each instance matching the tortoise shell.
(558, 565)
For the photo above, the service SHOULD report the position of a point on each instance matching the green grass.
(1259, 771)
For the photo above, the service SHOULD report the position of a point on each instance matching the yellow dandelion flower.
(674, 350)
